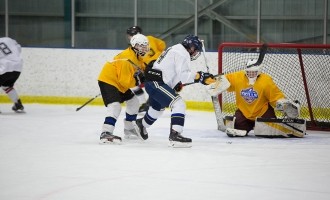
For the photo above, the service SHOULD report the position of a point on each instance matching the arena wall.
(56, 75)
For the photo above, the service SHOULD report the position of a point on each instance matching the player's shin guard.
(286, 127)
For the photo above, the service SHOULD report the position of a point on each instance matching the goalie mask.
(140, 44)
(193, 45)
(252, 71)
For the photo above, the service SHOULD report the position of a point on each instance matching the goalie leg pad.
(270, 127)
(218, 113)
(230, 121)
(220, 85)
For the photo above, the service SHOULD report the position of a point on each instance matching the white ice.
(52, 153)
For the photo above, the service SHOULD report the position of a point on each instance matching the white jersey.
(10, 56)
(175, 66)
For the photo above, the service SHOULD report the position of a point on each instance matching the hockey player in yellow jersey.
(157, 46)
(256, 97)
(115, 81)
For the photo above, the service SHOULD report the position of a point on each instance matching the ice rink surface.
(52, 153)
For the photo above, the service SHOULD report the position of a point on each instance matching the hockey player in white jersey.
(11, 64)
(164, 80)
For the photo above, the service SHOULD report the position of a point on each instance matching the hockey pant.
(242, 123)
(160, 97)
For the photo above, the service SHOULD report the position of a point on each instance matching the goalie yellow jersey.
(157, 46)
(120, 72)
(253, 100)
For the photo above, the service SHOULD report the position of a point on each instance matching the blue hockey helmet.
(193, 45)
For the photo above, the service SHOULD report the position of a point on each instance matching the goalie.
(256, 97)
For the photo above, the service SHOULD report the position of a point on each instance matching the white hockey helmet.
(140, 44)
(252, 71)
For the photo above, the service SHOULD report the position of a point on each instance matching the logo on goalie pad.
(249, 95)
(288, 120)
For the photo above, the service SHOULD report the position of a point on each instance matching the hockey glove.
(290, 108)
(137, 90)
(178, 87)
(204, 78)
(139, 77)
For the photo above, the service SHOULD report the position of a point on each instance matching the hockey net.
(301, 71)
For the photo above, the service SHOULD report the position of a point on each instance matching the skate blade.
(131, 137)
(139, 135)
(175, 144)
(106, 141)
(19, 111)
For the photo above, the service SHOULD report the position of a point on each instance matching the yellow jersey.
(253, 100)
(120, 72)
(157, 46)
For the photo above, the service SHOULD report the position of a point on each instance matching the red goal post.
(301, 71)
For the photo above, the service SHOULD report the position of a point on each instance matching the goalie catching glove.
(204, 77)
(290, 108)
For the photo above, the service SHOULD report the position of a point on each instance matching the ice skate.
(141, 130)
(109, 138)
(18, 107)
(129, 130)
(144, 107)
(130, 134)
(177, 140)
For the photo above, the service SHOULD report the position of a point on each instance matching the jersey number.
(151, 52)
(4, 48)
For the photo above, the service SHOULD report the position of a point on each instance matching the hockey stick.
(286, 121)
(262, 54)
(87, 102)
(205, 60)
(197, 82)
(215, 100)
